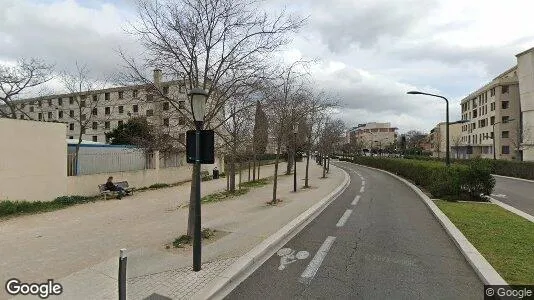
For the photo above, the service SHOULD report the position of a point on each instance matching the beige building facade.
(373, 135)
(438, 139)
(101, 111)
(492, 116)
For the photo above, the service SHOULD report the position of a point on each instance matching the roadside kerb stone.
(252, 260)
(482, 267)
(512, 209)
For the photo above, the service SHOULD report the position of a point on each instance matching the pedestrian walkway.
(80, 244)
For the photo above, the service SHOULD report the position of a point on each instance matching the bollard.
(122, 274)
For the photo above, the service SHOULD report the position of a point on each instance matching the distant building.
(438, 139)
(373, 135)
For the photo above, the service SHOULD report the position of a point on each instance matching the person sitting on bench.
(110, 186)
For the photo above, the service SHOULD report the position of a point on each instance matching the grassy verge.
(503, 238)
(13, 208)
(245, 187)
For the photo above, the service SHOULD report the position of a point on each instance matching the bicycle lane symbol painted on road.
(288, 256)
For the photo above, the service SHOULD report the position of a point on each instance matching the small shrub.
(159, 185)
(181, 241)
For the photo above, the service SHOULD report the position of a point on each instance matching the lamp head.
(198, 103)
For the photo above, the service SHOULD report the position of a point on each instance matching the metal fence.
(109, 162)
(171, 160)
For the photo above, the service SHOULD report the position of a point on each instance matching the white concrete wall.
(525, 67)
(33, 163)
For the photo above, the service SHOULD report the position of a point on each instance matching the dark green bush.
(462, 182)
(158, 185)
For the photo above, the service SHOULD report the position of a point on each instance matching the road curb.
(480, 265)
(248, 263)
(512, 209)
(515, 178)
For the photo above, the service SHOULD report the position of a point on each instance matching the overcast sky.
(371, 52)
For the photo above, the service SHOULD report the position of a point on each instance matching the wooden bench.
(122, 184)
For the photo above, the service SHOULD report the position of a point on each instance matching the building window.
(95, 111)
(181, 121)
(149, 97)
(121, 109)
(82, 103)
(120, 123)
(31, 108)
(504, 89)
(49, 115)
(40, 116)
(149, 112)
(59, 102)
(82, 117)
(71, 114)
(505, 119)
(505, 104)
(505, 149)
(506, 134)
(60, 114)
(165, 90)
(134, 93)
(166, 122)
(22, 117)
(22, 106)
(71, 100)
(49, 102)
(135, 108)
(95, 138)
(106, 96)
(106, 125)
(491, 135)
(95, 98)
(121, 94)
(181, 104)
(39, 103)
(492, 106)
(492, 92)
(95, 125)
(71, 126)
(181, 137)
(107, 110)
(165, 105)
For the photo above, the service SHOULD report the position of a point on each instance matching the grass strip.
(505, 239)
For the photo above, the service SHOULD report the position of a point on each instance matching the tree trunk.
(324, 166)
(249, 170)
(328, 165)
(259, 165)
(307, 168)
(275, 182)
(289, 162)
(232, 173)
(254, 166)
(240, 168)
(191, 218)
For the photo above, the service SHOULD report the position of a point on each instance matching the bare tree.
(456, 143)
(331, 136)
(17, 79)
(80, 84)
(260, 137)
(219, 46)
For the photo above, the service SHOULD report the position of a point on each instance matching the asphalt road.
(389, 246)
(516, 193)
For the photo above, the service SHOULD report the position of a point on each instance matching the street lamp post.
(198, 108)
(295, 130)
(495, 152)
(447, 154)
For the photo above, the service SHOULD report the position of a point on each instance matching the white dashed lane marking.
(355, 201)
(310, 271)
(344, 218)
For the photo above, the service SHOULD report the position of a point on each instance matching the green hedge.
(457, 182)
(511, 168)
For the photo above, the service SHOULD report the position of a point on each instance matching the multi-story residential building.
(525, 74)
(491, 115)
(373, 135)
(438, 139)
(104, 110)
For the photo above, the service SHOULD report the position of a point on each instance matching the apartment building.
(438, 139)
(103, 110)
(492, 117)
(373, 135)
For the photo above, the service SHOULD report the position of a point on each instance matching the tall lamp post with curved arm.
(447, 156)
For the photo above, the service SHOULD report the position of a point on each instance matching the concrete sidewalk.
(144, 229)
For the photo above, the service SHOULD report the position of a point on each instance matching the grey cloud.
(343, 24)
